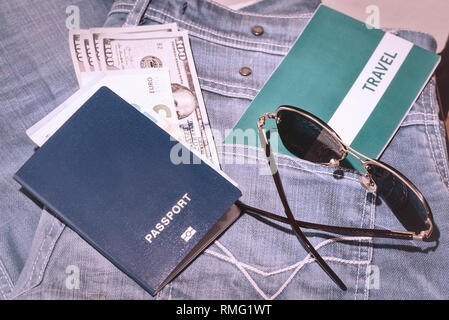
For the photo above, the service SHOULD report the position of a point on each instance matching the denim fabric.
(36, 75)
(254, 258)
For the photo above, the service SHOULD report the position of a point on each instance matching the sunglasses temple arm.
(403, 235)
(291, 219)
(303, 239)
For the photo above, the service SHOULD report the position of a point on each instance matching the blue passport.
(107, 173)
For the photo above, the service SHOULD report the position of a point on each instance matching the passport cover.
(107, 173)
(361, 81)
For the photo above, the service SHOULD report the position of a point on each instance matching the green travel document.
(361, 81)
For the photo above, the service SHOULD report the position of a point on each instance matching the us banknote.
(96, 32)
(108, 50)
(171, 50)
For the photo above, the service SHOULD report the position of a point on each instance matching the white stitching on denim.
(429, 139)
(227, 84)
(360, 246)
(442, 152)
(224, 43)
(281, 270)
(118, 11)
(38, 255)
(75, 293)
(299, 264)
(207, 30)
(3, 293)
(25, 288)
(438, 136)
(6, 275)
(2, 290)
(421, 113)
(414, 122)
(139, 17)
(119, 3)
(300, 16)
(242, 269)
(226, 93)
(44, 264)
(169, 292)
(371, 247)
(286, 165)
(131, 13)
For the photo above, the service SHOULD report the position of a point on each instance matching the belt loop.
(136, 13)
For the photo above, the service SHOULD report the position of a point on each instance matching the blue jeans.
(40, 258)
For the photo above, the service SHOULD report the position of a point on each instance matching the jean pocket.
(47, 234)
(261, 259)
(61, 265)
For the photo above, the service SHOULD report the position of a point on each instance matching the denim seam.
(370, 245)
(442, 152)
(47, 256)
(224, 43)
(170, 297)
(300, 16)
(445, 162)
(81, 292)
(287, 165)
(118, 10)
(6, 285)
(418, 122)
(256, 269)
(215, 33)
(422, 114)
(131, 12)
(227, 93)
(120, 3)
(360, 246)
(39, 254)
(139, 18)
(432, 148)
(299, 264)
(292, 159)
(28, 286)
(228, 84)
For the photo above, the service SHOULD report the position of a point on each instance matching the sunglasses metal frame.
(366, 181)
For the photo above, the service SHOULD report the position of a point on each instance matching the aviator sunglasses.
(311, 139)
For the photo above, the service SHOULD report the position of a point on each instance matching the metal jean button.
(257, 30)
(245, 71)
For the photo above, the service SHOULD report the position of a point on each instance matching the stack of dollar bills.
(152, 68)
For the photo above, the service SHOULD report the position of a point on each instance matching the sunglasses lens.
(307, 139)
(402, 200)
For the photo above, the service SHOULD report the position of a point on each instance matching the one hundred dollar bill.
(172, 51)
(78, 41)
(84, 47)
(146, 47)
(96, 32)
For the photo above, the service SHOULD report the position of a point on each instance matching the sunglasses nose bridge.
(366, 180)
